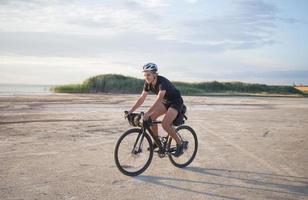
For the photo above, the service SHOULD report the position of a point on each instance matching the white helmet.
(150, 67)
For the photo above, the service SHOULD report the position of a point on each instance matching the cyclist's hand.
(127, 113)
(146, 116)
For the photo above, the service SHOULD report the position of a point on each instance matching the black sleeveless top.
(172, 94)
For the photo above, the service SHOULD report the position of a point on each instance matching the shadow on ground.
(275, 184)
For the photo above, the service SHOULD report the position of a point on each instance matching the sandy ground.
(61, 147)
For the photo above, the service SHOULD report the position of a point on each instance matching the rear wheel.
(131, 153)
(186, 133)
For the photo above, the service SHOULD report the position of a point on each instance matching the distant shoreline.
(26, 90)
(120, 84)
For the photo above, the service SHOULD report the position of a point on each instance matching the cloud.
(77, 18)
(172, 33)
(91, 30)
(148, 3)
(70, 45)
(251, 24)
(192, 1)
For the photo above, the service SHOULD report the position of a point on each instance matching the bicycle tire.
(191, 130)
(116, 157)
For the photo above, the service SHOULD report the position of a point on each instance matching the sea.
(23, 89)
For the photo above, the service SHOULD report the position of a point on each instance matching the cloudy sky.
(57, 42)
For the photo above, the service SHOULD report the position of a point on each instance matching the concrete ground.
(61, 146)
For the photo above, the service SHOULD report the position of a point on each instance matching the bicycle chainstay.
(162, 152)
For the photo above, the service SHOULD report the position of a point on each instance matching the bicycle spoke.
(131, 156)
(189, 153)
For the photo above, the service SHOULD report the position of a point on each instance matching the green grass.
(116, 83)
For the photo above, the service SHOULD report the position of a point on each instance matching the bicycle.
(133, 154)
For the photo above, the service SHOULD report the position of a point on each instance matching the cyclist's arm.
(158, 100)
(140, 101)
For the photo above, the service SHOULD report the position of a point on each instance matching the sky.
(60, 42)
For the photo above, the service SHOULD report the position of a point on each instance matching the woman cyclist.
(168, 101)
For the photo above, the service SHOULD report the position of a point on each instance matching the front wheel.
(186, 133)
(133, 152)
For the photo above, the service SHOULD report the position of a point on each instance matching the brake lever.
(141, 115)
(125, 114)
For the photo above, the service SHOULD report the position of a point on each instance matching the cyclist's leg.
(167, 124)
(158, 111)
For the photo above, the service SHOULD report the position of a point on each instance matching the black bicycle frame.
(145, 128)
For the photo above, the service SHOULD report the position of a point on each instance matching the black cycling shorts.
(176, 104)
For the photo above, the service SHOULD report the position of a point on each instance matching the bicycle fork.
(138, 144)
